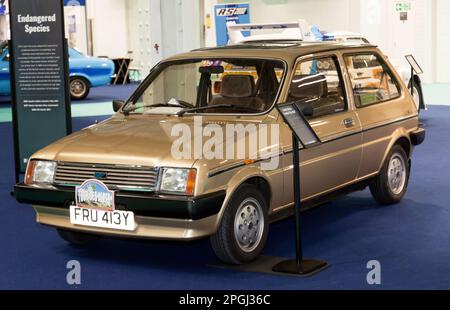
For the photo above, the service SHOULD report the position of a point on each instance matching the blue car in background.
(85, 72)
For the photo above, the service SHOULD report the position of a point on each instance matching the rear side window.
(372, 81)
(317, 84)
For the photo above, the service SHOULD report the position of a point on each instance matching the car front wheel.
(79, 88)
(392, 183)
(243, 231)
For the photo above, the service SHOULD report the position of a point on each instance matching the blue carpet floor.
(411, 240)
(109, 93)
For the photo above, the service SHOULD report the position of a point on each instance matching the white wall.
(443, 41)
(79, 38)
(381, 24)
(426, 34)
(209, 22)
(175, 25)
(329, 14)
(181, 26)
(109, 27)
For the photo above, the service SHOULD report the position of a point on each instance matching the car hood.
(144, 140)
(121, 141)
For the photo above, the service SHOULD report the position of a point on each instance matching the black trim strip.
(371, 128)
(150, 205)
(216, 173)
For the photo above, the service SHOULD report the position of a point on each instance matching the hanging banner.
(39, 76)
(225, 13)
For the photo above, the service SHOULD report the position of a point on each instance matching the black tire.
(79, 88)
(382, 190)
(417, 88)
(225, 242)
(76, 238)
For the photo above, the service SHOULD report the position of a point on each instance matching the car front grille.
(133, 178)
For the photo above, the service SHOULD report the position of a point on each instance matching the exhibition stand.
(303, 133)
(38, 49)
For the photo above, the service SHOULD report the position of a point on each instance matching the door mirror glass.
(306, 109)
(117, 105)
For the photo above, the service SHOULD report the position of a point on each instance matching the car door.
(318, 84)
(5, 78)
(379, 103)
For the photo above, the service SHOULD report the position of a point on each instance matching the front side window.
(227, 86)
(372, 81)
(318, 86)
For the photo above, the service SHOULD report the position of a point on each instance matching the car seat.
(239, 90)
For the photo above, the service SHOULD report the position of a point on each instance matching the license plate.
(118, 220)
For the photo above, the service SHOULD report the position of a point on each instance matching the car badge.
(101, 175)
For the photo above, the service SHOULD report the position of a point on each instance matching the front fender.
(240, 177)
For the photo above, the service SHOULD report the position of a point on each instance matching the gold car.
(199, 151)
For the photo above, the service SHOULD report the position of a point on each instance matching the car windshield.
(228, 86)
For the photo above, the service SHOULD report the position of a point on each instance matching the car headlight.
(40, 172)
(180, 181)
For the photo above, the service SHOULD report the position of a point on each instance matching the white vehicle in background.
(302, 31)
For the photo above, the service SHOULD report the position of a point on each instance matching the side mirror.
(117, 105)
(306, 109)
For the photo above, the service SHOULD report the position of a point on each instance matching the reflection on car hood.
(134, 140)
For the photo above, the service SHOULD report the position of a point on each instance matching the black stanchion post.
(297, 202)
(299, 266)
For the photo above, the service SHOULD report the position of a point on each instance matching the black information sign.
(415, 67)
(414, 64)
(299, 125)
(304, 134)
(39, 76)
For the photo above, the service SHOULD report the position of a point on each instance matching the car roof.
(284, 50)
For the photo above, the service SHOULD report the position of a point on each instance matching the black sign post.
(415, 68)
(301, 133)
(39, 77)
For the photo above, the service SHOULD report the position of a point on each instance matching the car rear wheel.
(79, 88)
(76, 238)
(392, 183)
(243, 231)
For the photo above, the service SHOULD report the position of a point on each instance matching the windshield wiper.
(182, 104)
(210, 107)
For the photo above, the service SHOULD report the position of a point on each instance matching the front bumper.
(157, 217)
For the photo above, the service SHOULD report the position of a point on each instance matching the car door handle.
(348, 122)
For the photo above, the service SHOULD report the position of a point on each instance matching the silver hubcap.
(397, 174)
(77, 87)
(249, 225)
